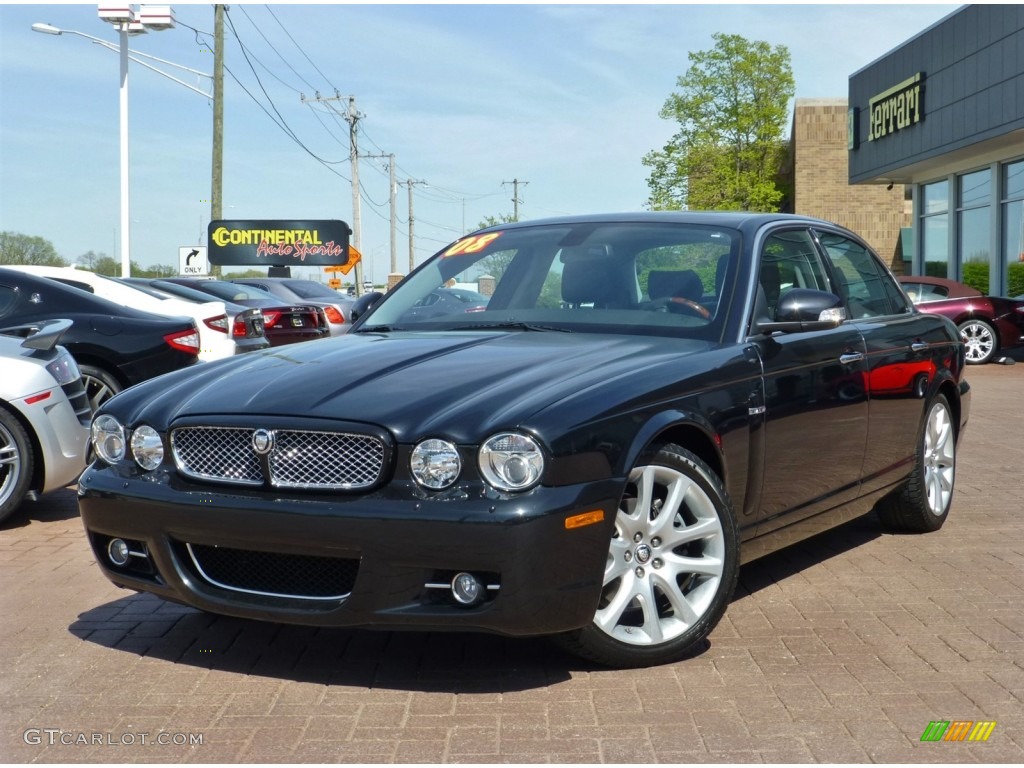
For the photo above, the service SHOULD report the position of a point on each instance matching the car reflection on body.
(647, 401)
(988, 324)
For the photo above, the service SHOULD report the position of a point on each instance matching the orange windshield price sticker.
(473, 244)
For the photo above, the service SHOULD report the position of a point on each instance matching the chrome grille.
(217, 453)
(298, 459)
(325, 460)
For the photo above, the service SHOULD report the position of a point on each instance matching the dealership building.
(943, 114)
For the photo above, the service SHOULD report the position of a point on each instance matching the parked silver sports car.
(44, 414)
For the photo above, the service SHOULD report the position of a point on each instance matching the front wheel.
(979, 341)
(922, 504)
(672, 565)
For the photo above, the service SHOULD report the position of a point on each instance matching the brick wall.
(821, 185)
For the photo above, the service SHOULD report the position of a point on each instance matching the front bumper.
(542, 577)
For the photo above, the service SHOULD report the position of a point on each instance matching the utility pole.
(393, 187)
(515, 196)
(217, 166)
(412, 240)
(352, 117)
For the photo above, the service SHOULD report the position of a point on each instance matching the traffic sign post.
(193, 261)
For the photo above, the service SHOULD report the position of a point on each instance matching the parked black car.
(115, 346)
(647, 401)
(297, 290)
(283, 322)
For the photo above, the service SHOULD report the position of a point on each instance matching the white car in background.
(44, 414)
(219, 336)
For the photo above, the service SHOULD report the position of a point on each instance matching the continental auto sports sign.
(278, 243)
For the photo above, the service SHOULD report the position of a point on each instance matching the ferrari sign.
(278, 243)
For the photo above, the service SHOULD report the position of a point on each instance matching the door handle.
(850, 358)
(919, 346)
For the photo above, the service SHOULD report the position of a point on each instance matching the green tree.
(106, 265)
(496, 264)
(157, 270)
(731, 109)
(245, 273)
(16, 248)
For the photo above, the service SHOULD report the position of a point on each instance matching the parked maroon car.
(283, 322)
(988, 324)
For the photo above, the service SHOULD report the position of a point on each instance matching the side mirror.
(804, 309)
(363, 304)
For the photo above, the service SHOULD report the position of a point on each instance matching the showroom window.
(974, 227)
(1013, 227)
(935, 228)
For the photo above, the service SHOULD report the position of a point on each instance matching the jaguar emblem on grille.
(263, 441)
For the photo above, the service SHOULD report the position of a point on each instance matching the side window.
(867, 288)
(8, 298)
(789, 259)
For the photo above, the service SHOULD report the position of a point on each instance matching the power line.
(301, 50)
(267, 41)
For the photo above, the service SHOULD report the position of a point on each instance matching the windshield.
(310, 289)
(662, 278)
(235, 291)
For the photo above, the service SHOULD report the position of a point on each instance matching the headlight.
(435, 464)
(147, 447)
(64, 369)
(511, 462)
(108, 438)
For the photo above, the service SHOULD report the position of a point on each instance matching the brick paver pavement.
(842, 649)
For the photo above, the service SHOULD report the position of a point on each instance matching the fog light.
(117, 551)
(466, 588)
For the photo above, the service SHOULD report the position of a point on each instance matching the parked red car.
(988, 324)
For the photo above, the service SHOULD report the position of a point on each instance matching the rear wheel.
(16, 462)
(672, 565)
(100, 386)
(922, 504)
(980, 344)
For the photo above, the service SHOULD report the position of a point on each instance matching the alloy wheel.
(666, 560)
(939, 459)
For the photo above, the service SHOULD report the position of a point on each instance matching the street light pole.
(125, 19)
(126, 269)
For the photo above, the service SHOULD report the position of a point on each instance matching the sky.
(469, 98)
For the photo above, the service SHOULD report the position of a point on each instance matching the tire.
(672, 566)
(922, 504)
(980, 342)
(100, 386)
(16, 463)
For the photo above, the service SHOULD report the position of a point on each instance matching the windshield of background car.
(310, 289)
(662, 278)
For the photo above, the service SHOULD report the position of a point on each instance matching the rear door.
(815, 403)
(904, 350)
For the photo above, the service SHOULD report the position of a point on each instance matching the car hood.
(455, 385)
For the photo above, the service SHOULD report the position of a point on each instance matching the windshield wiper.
(513, 325)
(378, 329)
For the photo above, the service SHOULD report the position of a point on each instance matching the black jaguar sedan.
(646, 402)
